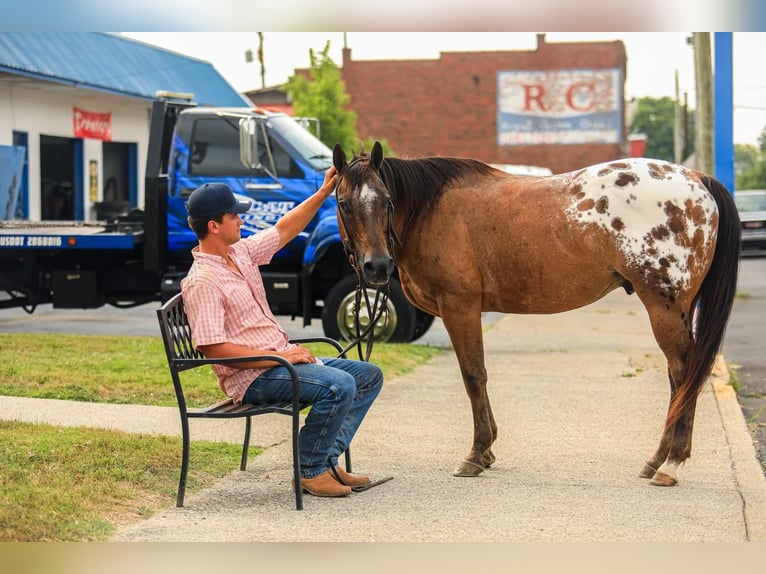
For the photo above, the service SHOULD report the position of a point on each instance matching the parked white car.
(751, 204)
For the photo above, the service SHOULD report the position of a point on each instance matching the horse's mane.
(417, 184)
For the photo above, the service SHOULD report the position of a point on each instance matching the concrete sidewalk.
(579, 399)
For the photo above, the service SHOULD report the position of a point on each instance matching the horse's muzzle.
(377, 270)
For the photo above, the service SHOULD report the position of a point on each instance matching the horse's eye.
(344, 205)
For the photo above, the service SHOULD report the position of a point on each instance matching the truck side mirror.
(248, 142)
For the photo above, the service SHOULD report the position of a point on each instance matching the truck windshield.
(311, 149)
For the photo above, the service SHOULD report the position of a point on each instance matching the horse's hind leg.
(654, 462)
(672, 330)
(464, 328)
(680, 449)
(662, 467)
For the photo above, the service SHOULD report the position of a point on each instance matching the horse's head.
(365, 212)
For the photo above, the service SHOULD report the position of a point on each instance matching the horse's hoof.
(647, 472)
(468, 468)
(487, 459)
(662, 479)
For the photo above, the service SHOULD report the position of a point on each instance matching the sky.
(654, 58)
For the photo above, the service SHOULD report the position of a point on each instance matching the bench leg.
(184, 462)
(297, 464)
(245, 445)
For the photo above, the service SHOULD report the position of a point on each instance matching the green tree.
(323, 95)
(750, 164)
(746, 157)
(655, 117)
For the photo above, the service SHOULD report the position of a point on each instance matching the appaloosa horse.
(467, 238)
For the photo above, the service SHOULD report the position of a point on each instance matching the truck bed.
(68, 235)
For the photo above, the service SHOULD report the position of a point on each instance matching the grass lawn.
(133, 370)
(78, 484)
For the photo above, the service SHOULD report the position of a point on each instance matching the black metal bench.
(182, 356)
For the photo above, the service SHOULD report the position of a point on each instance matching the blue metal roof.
(111, 63)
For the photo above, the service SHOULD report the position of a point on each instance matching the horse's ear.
(376, 155)
(338, 157)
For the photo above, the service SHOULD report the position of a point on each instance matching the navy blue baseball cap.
(211, 199)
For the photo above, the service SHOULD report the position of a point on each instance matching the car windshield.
(750, 201)
(311, 149)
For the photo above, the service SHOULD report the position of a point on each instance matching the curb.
(749, 478)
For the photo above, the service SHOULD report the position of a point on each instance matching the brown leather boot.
(324, 485)
(352, 480)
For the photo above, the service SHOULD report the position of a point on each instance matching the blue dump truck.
(140, 255)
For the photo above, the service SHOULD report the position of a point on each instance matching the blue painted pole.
(723, 103)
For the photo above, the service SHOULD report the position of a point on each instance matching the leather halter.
(379, 307)
(348, 245)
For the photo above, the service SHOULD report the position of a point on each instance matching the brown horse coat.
(467, 238)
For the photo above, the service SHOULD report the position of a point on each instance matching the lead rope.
(375, 312)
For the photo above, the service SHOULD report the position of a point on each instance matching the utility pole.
(704, 126)
(249, 58)
(678, 131)
(260, 59)
(687, 129)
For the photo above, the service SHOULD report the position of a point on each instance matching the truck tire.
(338, 313)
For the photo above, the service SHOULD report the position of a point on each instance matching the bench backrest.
(176, 333)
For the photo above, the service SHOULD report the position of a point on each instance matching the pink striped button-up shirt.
(224, 306)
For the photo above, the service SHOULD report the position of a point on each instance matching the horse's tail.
(716, 298)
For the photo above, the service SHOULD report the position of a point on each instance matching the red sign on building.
(92, 126)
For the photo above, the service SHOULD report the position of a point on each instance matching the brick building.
(560, 106)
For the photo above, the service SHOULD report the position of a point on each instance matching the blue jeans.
(340, 393)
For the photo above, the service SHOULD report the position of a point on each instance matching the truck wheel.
(338, 313)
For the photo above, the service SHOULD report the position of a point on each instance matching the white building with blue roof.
(79, 103)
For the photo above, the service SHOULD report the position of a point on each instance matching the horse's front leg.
(466, 336)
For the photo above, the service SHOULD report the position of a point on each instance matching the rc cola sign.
(559, 107)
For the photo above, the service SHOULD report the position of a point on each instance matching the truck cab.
(141, 256)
